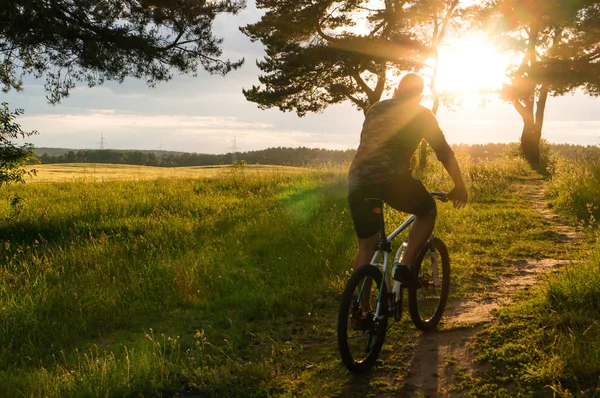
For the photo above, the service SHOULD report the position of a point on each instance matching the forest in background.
(272, 156)
(300, 156)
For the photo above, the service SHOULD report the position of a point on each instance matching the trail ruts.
(441, 356)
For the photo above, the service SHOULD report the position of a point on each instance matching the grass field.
(134, 281)
(81, 172)
(548, 344)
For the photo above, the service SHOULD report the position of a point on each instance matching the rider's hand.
(458, 196)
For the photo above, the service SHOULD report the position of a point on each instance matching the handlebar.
(442, 196)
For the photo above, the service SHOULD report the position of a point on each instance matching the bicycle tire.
(426, 297)
(379, 328)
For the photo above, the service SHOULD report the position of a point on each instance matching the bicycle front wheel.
(427, 303)
(360, 337)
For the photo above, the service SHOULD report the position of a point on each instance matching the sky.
(207, 113)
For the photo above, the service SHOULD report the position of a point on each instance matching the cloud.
(215, 134)
(110, 120)
(207, 134)
(205, 113)
(586, 132)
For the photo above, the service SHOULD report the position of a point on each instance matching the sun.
(470, 68)
(470, 65)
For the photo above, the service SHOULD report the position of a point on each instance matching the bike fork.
(434, 263)
(383, 282)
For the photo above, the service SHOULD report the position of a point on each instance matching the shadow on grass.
(304, 215)
(542, 170)
(359, 385)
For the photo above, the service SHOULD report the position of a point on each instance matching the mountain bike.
(361, 331)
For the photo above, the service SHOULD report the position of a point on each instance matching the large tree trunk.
(533, 117)
(532, 128)
(439, 32)
(529, 145)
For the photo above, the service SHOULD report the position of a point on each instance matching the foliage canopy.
(91, 41)
(12, 157)
(71, 41)
(320, 53)
(559, 52)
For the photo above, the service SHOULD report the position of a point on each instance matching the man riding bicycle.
(390, 135)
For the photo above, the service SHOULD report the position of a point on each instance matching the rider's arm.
(451, 165)
(435, 137)
(459, 194)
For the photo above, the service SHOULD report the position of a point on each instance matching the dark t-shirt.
(391, 133)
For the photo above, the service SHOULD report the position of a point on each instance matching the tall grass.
(575, 187)
(156, 287)
(87, 264)
(485, 179)
(549, 344)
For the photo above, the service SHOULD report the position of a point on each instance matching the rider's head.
(410, 88)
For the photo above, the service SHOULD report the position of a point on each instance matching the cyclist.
(390, 135)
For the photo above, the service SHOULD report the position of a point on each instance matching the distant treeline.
(277, 156)
(577, 151)
(492, 150)
(271, 156)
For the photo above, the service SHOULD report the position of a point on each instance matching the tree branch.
(176, 41)
(522, 109)
(380, 86)
(178, 44)
(361, 104)
(197, 54)
(320, 29)
(438, 37)
(446, 19)
(369, 9)
(377, 28)
(325, 36)
(541, 107)
(363, 85)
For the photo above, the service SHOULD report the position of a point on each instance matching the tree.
(73, 41)
(91, 41)
(13, 158)
(558, 46)
(326, 52)
(438, 17)
(320, 53)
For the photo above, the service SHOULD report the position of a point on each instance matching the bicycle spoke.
(360, 336)
(428, 302)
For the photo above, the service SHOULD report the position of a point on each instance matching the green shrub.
(485, 179)
(575, 188)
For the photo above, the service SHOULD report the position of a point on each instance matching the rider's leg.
(366, 250)
(418, 237)
(366, 225)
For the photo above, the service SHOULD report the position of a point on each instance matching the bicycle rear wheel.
(360, 338)
(427, 303)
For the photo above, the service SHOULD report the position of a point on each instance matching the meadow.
(86, 172)
(133, 281)
(548, 343)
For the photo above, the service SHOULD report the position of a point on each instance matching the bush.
(485, 179)
(13, 158)
(575, 188)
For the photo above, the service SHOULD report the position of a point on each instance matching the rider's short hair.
(410, 86)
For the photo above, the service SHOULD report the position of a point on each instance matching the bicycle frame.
(384, 264)
(384, 246)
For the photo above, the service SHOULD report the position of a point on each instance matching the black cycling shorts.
(406, 194)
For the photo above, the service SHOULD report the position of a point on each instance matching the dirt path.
(440, 358)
